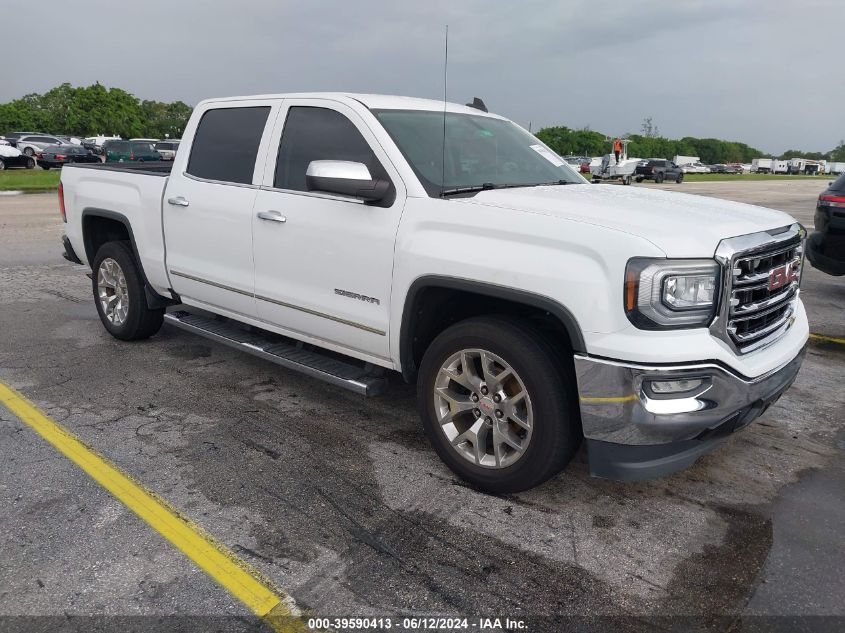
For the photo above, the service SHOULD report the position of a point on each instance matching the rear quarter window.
(839, 184)
(226, 144)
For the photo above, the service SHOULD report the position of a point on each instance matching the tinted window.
(319, 134)
(142, 147)
(226, 144)
(164, 145)
(839, 185)
(117, 146)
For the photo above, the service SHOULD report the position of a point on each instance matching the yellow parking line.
(238, 577)
(827, 339)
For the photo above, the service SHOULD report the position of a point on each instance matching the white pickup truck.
(341, 236)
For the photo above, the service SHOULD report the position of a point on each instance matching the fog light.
(675, 386)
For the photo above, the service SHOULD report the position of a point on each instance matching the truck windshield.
(482, 152)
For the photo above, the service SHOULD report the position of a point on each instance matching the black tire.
(680, 178)
(29, 151)
(2, 165)
(549, 380)
(45, 166)
(30, 164)
(141, 322)
(658, 177)
(626, 180)
(639, 178)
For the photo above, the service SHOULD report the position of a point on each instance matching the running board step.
(284, 352)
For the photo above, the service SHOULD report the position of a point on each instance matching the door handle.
(272, 216)
(178, 201)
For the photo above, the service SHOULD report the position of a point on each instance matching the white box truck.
(680, 161)
(761, 165)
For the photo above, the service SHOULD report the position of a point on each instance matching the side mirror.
(345, 178)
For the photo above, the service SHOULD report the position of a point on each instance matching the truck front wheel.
(497, 404)
(119, 294)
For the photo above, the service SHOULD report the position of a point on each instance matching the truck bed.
(159, 168)
(130, 193)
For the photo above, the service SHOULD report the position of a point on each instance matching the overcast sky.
(769, 73)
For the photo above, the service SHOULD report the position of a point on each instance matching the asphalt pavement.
(340, 502)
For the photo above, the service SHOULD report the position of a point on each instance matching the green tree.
(92, 110)
(583, 142)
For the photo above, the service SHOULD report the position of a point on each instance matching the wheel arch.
(104, 225)
(420, 325)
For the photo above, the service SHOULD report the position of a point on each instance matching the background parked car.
(12, 137)
(34, 144)
(167, 149)
(129, 151)
(826, 246)
(58, 155)
(696, 168)
(726, 169)
(92, 147)
(658, 169)
(73, 140)
(13, 157)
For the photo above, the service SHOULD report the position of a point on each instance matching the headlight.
(664, 294)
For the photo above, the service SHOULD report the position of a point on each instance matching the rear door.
(325, 272)
(208, 205)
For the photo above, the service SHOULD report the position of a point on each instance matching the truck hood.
(681, 225)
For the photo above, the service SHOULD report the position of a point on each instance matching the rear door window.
(226, 144)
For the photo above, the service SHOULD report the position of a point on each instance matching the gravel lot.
(339, 500)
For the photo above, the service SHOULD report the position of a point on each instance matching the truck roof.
(370, 101)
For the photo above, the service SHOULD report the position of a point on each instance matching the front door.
(323, 263)
(208, 207)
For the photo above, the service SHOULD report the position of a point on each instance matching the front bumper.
(634, 433)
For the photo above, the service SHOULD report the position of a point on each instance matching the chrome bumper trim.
(616, 405)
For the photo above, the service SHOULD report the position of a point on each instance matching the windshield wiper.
(489, 185)
(549, 184)
(471, 189)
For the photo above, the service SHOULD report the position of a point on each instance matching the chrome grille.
(761, 287)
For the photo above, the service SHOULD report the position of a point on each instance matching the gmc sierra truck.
(347, 236)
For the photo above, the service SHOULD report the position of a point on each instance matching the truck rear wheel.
(658, 177)
(119, 294)
(497, 404)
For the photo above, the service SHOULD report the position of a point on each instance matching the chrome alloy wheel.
(483, 408)
(111, 288)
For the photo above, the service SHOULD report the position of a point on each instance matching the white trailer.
(796, 165)
(780, 167)
(835, 169)
(680, 161)
(761, 165)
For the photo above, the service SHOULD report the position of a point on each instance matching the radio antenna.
(445, 79)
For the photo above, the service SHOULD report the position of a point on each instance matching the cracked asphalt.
(340, 501)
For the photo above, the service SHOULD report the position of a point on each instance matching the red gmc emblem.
(782, 275)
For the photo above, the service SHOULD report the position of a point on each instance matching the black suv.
(826, 247)
(658, 169)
